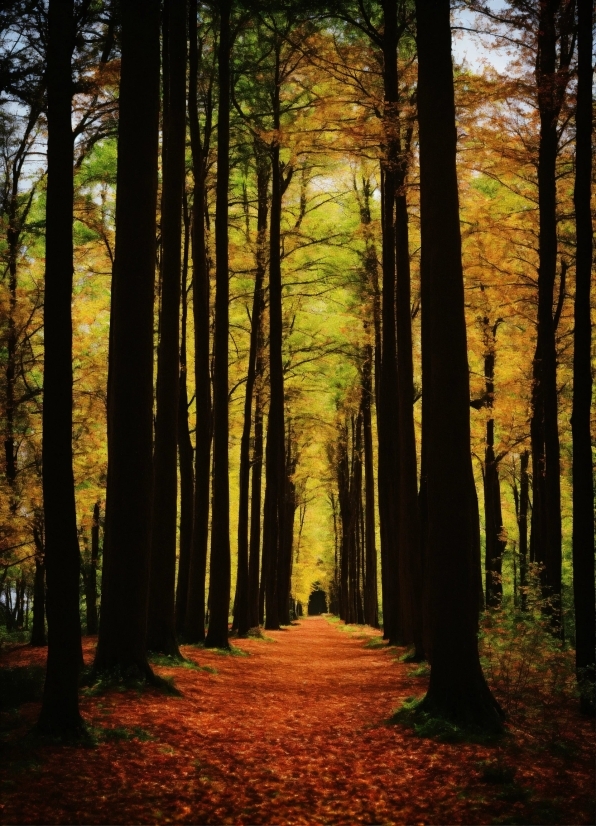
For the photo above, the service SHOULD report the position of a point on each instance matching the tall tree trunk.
(185, 451)
(583, 480)
(493, 517)
(287, 549)
(195, 609)
(457, 689)
(521, 510)
(343, 498)
(387, 410)
(546, 521)
(275, 472)
(219, 582)
(356, 518)
(255, 616)
(60, 706)
(127, 536)
(38, 629)
(371, 616)
(265, 555)
(410, 559)
(242, 619)
(161, 631)
(91, 575)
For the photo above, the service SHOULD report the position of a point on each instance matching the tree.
(242, 615)
(457, 688)
(583, 480)
(60, 708)
(194, 625)
(185, 448)
(161, 627)
(123, 624)
(551, 81)
(219, 582)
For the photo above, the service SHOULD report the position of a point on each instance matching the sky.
(471, 47)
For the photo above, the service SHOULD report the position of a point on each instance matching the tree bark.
(371, 616)
(185, 450)
(387, 411)
(493, 517)
(457, 689)
(195, 610)
(219, 583)
(255, 616)
(275, 471)
(410, 550)
(161, 631)
(60, 705)
(242, 612)
(127, 536)
(38, 629)
(583, 480)
(284, 579)
(91, 576)
(551, 80)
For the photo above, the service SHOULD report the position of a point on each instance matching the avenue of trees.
(289, 299)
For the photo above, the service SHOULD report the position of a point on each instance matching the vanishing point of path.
(294, 733)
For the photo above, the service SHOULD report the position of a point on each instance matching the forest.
(296, 400)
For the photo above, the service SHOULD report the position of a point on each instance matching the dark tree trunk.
(195, 609)
(60, 706)
(219, 582)
(457, 689)
(185, 451)
(551, 80)
(583, 480)
(127, 536)
(275, 471)
(493, 517)
(16, 218)
(425, 341)
(356, 508)
(91, 575)
(264, 560)
(343, 498)
(242, 612)
(255, 616)
(371, 616)
(161, 632)
(38, 629)
(287, 549)
(521, 509)
(410, 559)
(387, 410)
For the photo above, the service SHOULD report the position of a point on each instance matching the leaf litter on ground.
(295, 733)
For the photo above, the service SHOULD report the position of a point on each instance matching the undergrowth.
(430, 726)
(530, 670)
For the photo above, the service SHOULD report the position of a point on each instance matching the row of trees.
(253, 92)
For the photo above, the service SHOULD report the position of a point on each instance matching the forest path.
(294, 733)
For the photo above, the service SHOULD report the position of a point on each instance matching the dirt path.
(294, 733)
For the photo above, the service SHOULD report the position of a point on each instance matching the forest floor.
(291, 728)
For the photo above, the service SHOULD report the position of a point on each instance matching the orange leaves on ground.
(295, 733)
